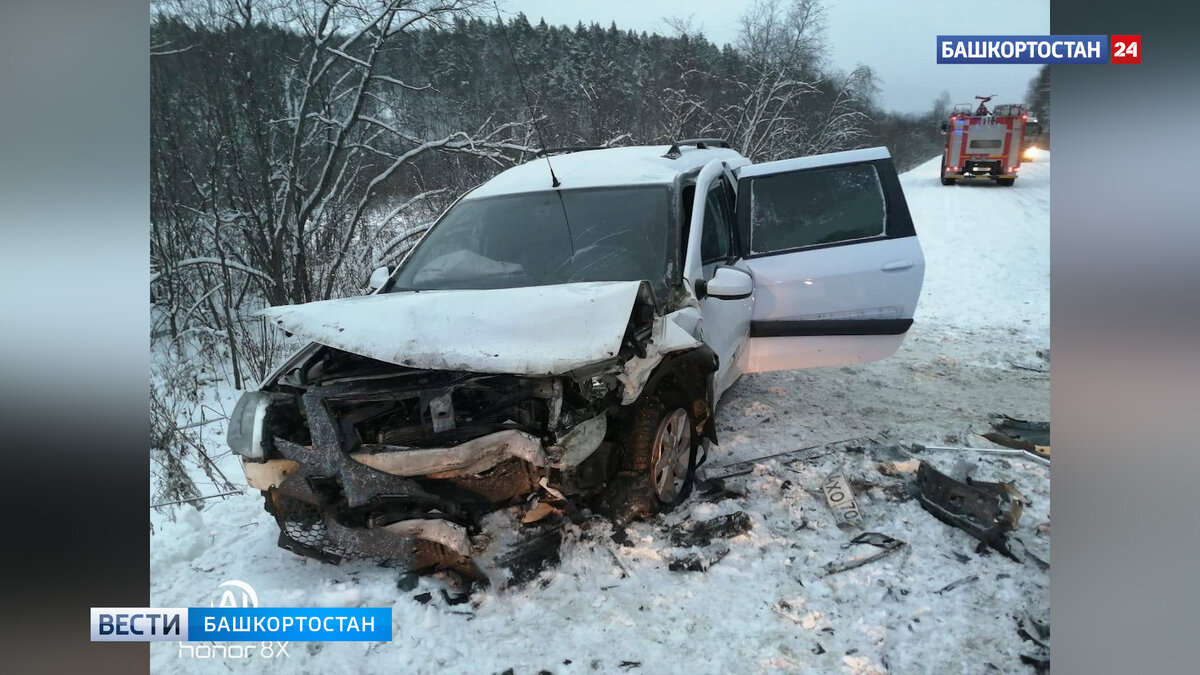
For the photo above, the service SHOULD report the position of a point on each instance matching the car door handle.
(897, 265)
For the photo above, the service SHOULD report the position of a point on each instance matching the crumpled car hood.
(536, 330)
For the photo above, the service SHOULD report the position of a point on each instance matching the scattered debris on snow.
(694, 533)
(699, 561)
(1032, 437)
(955, 584)
(746, 466)
(1040, 455)
(886, 544)
(518, 551)
(899, 468)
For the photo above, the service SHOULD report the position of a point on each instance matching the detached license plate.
(841, 500)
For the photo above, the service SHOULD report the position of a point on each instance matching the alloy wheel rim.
(672, 453)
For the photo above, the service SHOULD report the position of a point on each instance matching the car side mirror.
(729, 284)
(378, 278)
(944, 127)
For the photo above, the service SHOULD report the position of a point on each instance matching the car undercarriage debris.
(693, 533)
(512, 553)
(701, 533)
(986, 511)
(699, 561)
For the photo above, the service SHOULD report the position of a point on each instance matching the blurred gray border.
(74, 199)
(1125, 260)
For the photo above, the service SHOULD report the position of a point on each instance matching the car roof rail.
(569, 149)
(700, 143)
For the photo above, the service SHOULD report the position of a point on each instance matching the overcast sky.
(895, 37)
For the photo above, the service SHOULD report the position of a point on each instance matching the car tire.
(661, 444)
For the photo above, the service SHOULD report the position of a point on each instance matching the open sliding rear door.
(836, 262)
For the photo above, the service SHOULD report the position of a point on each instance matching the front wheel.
(661, 445)
(672, 457)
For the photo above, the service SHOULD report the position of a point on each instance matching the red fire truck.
(983, 143)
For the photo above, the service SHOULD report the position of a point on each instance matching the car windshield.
(551, 237)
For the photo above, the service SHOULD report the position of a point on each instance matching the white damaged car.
(568, 325)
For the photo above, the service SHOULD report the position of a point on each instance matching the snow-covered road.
(987, 249)
(766, 607)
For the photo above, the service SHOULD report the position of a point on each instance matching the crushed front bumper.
(418, 508)
(417, 512)
(313, 531)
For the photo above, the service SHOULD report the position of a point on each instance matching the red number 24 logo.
(1126, 49)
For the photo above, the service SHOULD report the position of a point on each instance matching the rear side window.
(816, 207)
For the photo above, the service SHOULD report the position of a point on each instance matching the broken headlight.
(245, 436)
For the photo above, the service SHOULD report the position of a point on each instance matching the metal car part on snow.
(986, 511)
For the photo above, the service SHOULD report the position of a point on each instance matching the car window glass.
(715, 241)
(815, 207)
(551, 237)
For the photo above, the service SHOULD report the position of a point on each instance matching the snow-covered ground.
(980, 340)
